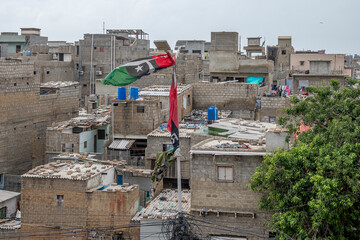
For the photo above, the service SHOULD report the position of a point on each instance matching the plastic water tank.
(216, 113)
(27, 53)
(122, 93)
(211, 113)
(134, 93)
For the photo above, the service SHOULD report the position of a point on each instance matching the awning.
(252, 79)
(121, 144)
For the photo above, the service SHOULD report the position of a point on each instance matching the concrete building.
(9, 203)
(280, 55)
(87, 133)
(98, 54)
(26, 109)
(134, 119)
(193, 46)
(220, 172)
(29, 38)
(226, 63)
(316, 69)
(240, 98)
(162, 208)
(254, 46)
(82, 196)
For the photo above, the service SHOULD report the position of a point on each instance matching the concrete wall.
(128, 121)
(272, 107)
(317, 80)
(237, 97)
(11, 206)
(337, 61)
(155, 145)
(25, 114)
(79, 209)
(226, 197)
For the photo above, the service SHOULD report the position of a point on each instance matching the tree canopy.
(312, 189)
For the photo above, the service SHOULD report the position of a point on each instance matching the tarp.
(252, 79)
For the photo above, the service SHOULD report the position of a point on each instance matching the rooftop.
(136, 172)
(164, 206)
(86, 157)
(161, 90)
(114, 187)
(7, 224)
(58, 84)
(185, 130)
(6, 195)
(238, 134)
(100, 118)
(67, 170)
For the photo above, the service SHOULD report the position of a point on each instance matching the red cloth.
(303, 128)
(173, 123)
(164, 60)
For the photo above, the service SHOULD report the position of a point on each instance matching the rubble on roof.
(100, 118)
(86, 157)
(164, 206)
(162, 90)
(58, 84)
(136, 171)
(198, 115)
(114, 187)
(7, 224)
(68, 170)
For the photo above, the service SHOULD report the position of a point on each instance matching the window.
(59, 199)
(101, 49)
(61, 57)
(272, 119)
(302, 63)
(77, 50)
(167, 147)
(225, 173)
(18, 48)
(196, 51)
(161, 105)
(94, 48)
(140, 109)
(85, 144)
(47, 72)
(188, 100)
(1, 181)
(34, 72)
(101, 134)
(3, 212)
(283, 52)
(77, 66)
(67, 147)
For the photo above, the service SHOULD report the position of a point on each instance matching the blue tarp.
(253, 79)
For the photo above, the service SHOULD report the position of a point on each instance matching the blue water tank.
(122, 93)
(134, 93)
(27, 53)
(211, 113)
(216, 113)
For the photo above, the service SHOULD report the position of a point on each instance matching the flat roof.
(162, 90)
(67, 170)
(58, 84)
(164, 206)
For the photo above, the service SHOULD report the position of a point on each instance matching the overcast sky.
(332, 25)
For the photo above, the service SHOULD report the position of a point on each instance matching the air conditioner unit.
(98, 73)
(81, 73)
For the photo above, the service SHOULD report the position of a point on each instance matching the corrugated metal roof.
(121, 144)
(6, 195)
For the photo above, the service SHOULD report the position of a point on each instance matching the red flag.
(173, 123)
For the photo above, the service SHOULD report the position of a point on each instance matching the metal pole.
(177, 153)
(112, 121)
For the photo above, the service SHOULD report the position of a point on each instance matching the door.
(119, 179)
(95, 144)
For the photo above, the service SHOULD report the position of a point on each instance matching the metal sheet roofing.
(6, 195)
(121, 144)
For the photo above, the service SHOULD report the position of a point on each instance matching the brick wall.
(226, 197)
(272, 107)
(237, 97)
(128, 121)
(104, 212)
(24, 115)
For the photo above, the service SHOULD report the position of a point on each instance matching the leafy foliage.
(313, 188)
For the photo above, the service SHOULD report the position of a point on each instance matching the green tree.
(313, 188)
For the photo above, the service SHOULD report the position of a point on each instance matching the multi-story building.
(76, 200)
